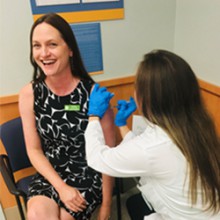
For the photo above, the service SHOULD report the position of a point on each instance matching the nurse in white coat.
(177, 157)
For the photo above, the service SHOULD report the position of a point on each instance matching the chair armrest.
(8, 176)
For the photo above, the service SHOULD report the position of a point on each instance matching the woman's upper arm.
(108, 127)
(26, 103)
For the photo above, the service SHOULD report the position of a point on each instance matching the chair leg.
(25, 202)
(118, 197)
(20, 208)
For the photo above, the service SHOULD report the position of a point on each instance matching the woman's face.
(50, 51)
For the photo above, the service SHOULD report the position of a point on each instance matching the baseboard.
(12, 213)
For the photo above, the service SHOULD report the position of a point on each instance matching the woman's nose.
(45, 52)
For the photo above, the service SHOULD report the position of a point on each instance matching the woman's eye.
(36, 46)
(52, 45)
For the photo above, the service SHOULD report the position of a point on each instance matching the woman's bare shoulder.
(25, 97)
(27, 89)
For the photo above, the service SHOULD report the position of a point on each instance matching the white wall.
(2, 216)
(197, 37)
(148, 24)
(15, 22)
(191, 28)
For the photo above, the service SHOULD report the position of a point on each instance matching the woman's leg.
(64, 215)
(42, 208)
(137, 207)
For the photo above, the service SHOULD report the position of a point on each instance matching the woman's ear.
(71, 53)
(135, 96)
(136, 101)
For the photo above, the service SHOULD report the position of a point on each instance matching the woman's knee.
(41, 207)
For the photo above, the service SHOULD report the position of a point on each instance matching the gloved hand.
(125, 109)
(99, 101)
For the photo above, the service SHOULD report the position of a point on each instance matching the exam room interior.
(189, 28)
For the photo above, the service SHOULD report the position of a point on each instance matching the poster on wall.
(88, 37)
(99, 1)
(55, 2)
(60, 2)
(75, 11)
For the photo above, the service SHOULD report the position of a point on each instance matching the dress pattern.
(61, 122)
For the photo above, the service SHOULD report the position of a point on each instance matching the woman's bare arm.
(107, 123)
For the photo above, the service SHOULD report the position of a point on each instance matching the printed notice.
(139, 124)
(77, 11)
(88, 37)
(92, 1)
(56, 2)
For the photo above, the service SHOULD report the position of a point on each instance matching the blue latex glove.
(125, 109)
(99, 101)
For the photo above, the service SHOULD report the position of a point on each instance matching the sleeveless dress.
(61, 122)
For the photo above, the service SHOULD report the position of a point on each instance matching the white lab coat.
(160, 164)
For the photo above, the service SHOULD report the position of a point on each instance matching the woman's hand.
(99, 101)
(125, 109)
(104, 212)
(72, 198)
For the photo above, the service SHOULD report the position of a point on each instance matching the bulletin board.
(75, 11)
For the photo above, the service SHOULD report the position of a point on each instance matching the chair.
(11, 135)
(137, 207)
(117, 192)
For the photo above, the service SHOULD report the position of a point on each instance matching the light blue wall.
(148, 24)
(197, 37)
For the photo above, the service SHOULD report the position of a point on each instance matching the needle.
(116, 106)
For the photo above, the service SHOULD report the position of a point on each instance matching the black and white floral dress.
(61, 122)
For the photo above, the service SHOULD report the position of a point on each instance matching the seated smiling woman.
(53, 108)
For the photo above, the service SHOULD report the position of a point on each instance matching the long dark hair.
(76, 63)
(168, 95)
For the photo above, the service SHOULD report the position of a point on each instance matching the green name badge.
(72, 107)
